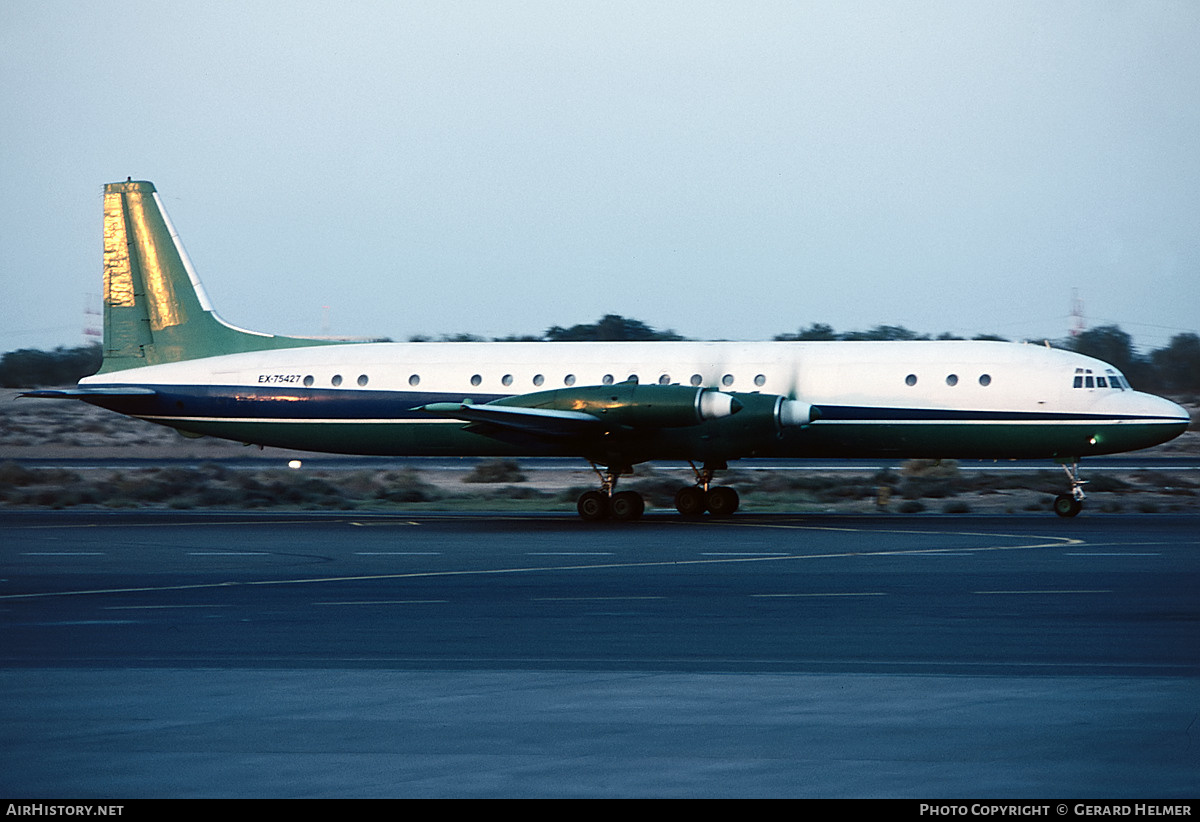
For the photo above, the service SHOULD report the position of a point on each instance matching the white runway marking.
(1035, 541)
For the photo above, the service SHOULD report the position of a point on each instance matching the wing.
(543, 422)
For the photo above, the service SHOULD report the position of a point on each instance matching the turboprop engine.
(793, 413)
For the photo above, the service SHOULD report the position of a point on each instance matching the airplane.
(170, 359)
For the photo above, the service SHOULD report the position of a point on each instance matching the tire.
(593, 506)
(627, 506)
(1066, 505)
(723, 501)
(690, 501)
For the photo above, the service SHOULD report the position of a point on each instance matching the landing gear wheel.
(690, 501)
(627, 506)
(593, 506)
(722, 501)
(1066, 505)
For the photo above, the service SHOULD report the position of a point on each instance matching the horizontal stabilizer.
(98, 391)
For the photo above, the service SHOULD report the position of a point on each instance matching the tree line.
(1173, 369)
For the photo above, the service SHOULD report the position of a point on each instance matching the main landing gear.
(608, 502)
(1068, 505)
(718, 500)
(691, 501)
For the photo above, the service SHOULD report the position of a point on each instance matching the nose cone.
(1131, 420)
(1178, 411)
(1180, 418)
(1164, 420)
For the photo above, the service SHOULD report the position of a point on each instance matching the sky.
(728, 170)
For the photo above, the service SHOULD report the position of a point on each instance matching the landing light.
(294, 463)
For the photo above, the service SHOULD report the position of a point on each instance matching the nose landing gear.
(1068, 505)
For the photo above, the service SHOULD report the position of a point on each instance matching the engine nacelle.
(794, 413)
(631, 405)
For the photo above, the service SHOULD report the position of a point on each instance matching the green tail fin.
(155, 309)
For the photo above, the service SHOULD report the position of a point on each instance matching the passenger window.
(760, 380)
(538, 379)
(665, 379)
(506, 379)
(308, 381)
(632, 378)
(362, 379)
(727, 380)
(337, 380)
(985, 379)
(696, 379)
(414, 380)
(952, 380)
(911, 379)
(607, 379)
(476, 379)
(569, 379)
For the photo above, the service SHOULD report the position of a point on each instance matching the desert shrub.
(658, 489)
(885, 476)
(1106, 482)
(12, 474)
(406, 485)
(517, 492)
(928, 486)
(498, 470)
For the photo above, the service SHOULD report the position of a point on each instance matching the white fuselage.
(856, 383)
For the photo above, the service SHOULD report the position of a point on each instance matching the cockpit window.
(1084, 378)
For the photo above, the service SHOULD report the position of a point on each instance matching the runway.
(535, 655)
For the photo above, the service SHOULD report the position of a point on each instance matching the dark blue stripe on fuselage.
(855, 413)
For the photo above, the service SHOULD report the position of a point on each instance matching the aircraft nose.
(1169, 418)
(1172, 411)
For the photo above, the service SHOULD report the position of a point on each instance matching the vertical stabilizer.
(155, 309)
